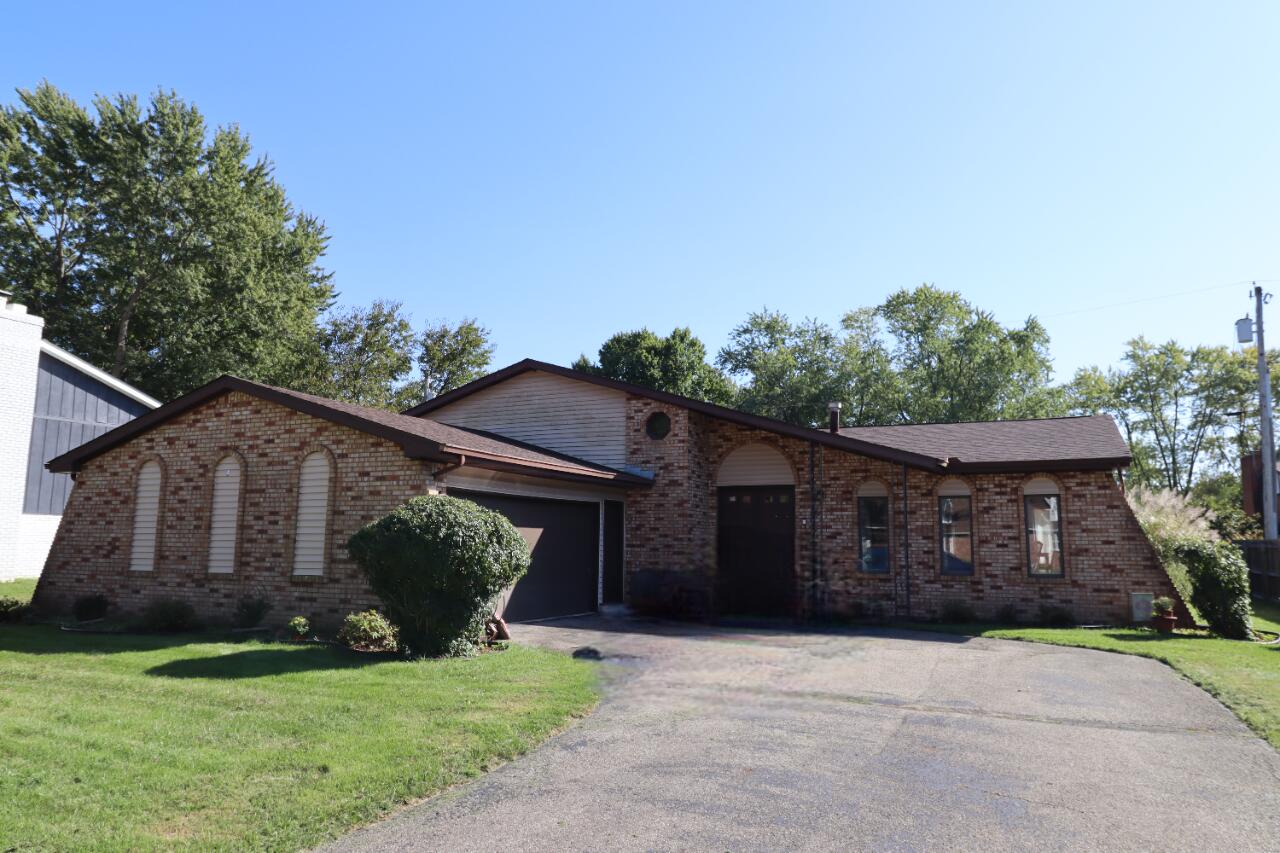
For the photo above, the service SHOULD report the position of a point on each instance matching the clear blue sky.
(563, 171)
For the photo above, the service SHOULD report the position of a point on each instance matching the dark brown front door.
(757, 537)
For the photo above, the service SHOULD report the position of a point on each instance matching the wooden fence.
(1263, 559)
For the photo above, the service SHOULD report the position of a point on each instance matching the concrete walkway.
(753, 740)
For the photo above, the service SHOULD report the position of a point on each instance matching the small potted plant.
(1162, 615)
(300, 627)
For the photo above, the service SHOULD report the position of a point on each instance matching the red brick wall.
(673, 526)
(91, 553)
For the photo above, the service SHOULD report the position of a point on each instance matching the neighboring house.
(626, 495)
(50, 402)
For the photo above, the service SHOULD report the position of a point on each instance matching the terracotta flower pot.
(1165, 622)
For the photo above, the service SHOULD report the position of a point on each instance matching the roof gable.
(1091, 442)
(419, 438)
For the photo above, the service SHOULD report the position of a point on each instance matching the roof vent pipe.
(833, 416)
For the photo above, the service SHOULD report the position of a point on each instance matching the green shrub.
(957, 612)
(89, 607)
(1219, 585)
(1162, 606)
(437, 563)
(168, 616)
(300, 626)
(250, 611)
(11, 609)
(1056, 616)
(368, 631)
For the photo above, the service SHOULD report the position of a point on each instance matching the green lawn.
(1266, 616)
(21, 589)
(135, 742)
(1244, 676)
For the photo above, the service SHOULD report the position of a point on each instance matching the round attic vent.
(657, 426)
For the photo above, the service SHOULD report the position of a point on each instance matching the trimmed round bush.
(437, 563)
(1219, 580)
(368, 630)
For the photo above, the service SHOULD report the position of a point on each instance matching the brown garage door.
(563, 539)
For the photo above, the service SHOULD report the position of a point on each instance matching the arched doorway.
(756, 533)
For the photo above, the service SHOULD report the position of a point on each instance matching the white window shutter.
(313, 515)
(146, 518)
(224, 516)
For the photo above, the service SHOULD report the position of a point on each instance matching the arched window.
(146, 517)
(873, 527)
(1042, 507)
(955, 527)
(312, 523)
(224, 516)
(755, 465)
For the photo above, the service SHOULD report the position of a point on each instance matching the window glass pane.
(1044, 535)
(873, 534)
(955, 523)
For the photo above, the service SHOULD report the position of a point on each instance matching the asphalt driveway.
(739, 740)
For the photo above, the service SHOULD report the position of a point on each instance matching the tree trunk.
(122, 331)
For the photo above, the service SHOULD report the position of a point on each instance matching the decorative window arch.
(755, 464)
(1042, 514)
(873, 527)
(146, 516)
(311, 525)
(955, 527)
(224, 514)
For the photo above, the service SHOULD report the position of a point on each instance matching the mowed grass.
(1244, 676)
(21, 589)
(136, 742)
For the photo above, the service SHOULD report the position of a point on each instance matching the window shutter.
(146, 518)
(313, 515)
(224, 515)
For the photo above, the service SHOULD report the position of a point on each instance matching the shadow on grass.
(1154, 637)
(262, 663)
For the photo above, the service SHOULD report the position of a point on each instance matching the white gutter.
(101, 375)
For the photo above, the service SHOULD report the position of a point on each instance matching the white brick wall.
(19, 367)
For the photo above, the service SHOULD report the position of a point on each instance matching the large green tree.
(159, 249)
(1178, 407)
(676, 363)
(366, 355)
(924, 355)
(449, 357)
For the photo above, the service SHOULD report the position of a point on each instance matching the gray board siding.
(71, 408)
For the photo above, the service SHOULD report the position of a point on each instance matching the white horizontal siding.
(565, 415)
(146, 518)
(755, 465)
(313, 515)
(225, 515)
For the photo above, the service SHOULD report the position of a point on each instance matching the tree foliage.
(676, 364)
(1178, 407)
(924, 355)
(451, 356)
(364, 355)
(161, 250)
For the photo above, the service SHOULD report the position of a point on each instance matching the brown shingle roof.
(1090, 441)
(420, 438)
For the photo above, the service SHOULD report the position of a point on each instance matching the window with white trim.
(312, 523)
(225, 516)
(955, 528)
(1042, 507)
(146, 517)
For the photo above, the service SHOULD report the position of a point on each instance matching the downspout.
(813, 532)
(906, 541)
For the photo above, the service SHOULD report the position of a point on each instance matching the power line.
(1161, 296)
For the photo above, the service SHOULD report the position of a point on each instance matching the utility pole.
(1268, 451)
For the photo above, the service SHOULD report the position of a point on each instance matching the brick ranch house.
(625, 495)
